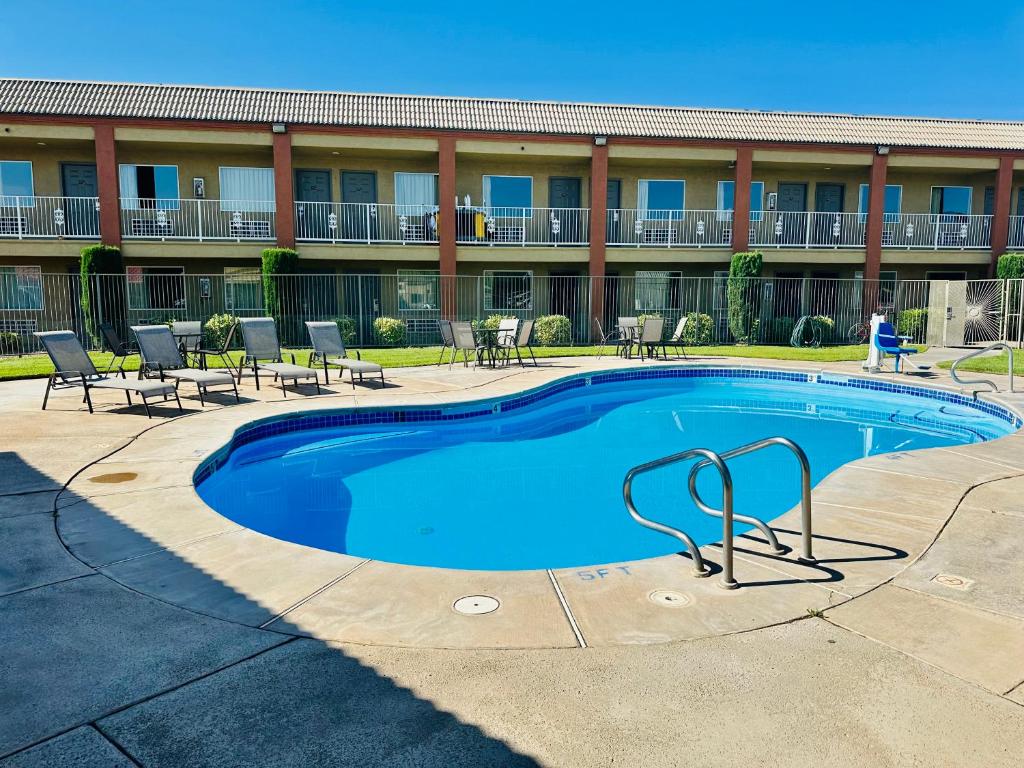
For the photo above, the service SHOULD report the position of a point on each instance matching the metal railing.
(1015, 236)
(809, 229)
(33, 217)
(522, 226)
(936, 232)
(200, 220)
(710, 458)
(976, 353)
(365, 223)
(668, 228)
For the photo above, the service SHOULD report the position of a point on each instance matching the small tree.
(96, 260)
(742, 293)
(276, 261)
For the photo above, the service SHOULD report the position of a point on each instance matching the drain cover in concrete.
(475, 605)
(953, 582)
(669, 598)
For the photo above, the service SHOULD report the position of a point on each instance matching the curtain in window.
(642, 197)
(247, 189)
(243, 288)
(415, 193)
(127, 178)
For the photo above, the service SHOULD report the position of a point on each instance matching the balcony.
(811, 229)
(365, 223)
(635, 228)
(936, 232)
(198, 220)
(1015, 237)
(522, 226)
(52, 218)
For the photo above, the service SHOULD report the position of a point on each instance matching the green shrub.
(743, 294)
(824, 328)
(699, 330)
(100, 259)
(10, 344)
(777, 330)
(389, 331)
(347, 326)
(494, 321)
(552, 330)
(216, 330)
(276, 261)
(911, 322)
(1010, 266)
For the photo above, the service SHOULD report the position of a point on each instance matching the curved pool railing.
(975, 353)
(717, 460)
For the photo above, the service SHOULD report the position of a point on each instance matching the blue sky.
(935, 59)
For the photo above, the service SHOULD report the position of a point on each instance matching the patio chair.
(464, 340)
(447, 340)
(161, 356)
(887, 342)
(650, 337)
(120, 350)
(604, 339)
(263, 353)
(506, 338)
(629, 332)
(74, 368)
(677, 337)
(223, 352)
(189, 335)
(329, 349)
(522, 341)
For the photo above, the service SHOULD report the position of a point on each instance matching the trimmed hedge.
(276, 261)
(389, 331)
(552, 330)
(911, 321)
(1010, 266)
(699, 330)
(742, 293)
(10, 343)
(100, 259)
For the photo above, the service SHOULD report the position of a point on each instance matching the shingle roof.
(254, 105)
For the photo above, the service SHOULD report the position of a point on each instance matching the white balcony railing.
(1015, 237)
(238, 220)
(365, 223)
(806, 229)
(936, 231)
(522, 226)
(669, 228)
(33, 217)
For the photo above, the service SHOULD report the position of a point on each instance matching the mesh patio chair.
(677, 337)
(189, 336)
(263, 353)
(464, 340)
(120, 350)
(329, 349)
(650, 337)
(74, 368)
(604, 339)
(523, 341)
(629, 334)
(161, 357)
(223, 352)
(447, 339)
(505, 339)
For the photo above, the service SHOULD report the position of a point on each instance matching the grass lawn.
(989, 364)
(33, 366)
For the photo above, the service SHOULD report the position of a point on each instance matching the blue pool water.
(540, 486)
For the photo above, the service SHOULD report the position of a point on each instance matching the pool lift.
(709, 458)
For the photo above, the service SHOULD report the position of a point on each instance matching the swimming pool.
(535, 480)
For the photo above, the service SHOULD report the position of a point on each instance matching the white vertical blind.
(247, 189)
(129, 182)
(415, 192)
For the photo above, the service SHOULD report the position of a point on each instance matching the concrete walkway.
(926, 669)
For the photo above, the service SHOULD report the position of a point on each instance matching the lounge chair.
(161, 357)
(887, 342)
(329, 349)
(119, 350)
(447, 339)
(650, 337)
(74, 368)
(676, 341)
(263, 353)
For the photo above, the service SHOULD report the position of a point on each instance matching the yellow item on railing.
(478, 225)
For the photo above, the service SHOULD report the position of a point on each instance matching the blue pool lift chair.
(888, 343)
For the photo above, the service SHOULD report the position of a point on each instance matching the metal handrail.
(700, 569)
(807, 554)
(975, 353)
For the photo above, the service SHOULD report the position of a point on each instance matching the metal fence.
(764, 310)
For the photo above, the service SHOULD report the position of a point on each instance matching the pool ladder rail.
(975, 353)
(709, 458)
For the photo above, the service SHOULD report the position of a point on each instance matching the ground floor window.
(656, 291)
(156, 288)
(945, 275)
(887, 291)
(508, 290)
(21, 288)
(243, 289)
(418, 289)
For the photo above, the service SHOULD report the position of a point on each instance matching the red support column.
(106, 180)
(284, 190)
(598, 227)
(1001, 210)
(446, 225)
(876, 217)
(741, 199)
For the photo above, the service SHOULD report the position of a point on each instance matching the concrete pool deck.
(140, 627)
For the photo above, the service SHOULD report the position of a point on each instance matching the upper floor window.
(954, 201)
(508, 195)
(659, 198)
(21, 288)
(727, 198)
(148, 186)
(247, 189)
(16, 183)
(415, 192)
(893, 202)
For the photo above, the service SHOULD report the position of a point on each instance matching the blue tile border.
(347, 417)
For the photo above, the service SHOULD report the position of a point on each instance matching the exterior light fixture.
(600, 141)
(883, 149)
(279, 128)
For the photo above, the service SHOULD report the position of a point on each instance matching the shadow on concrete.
(170, 686)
